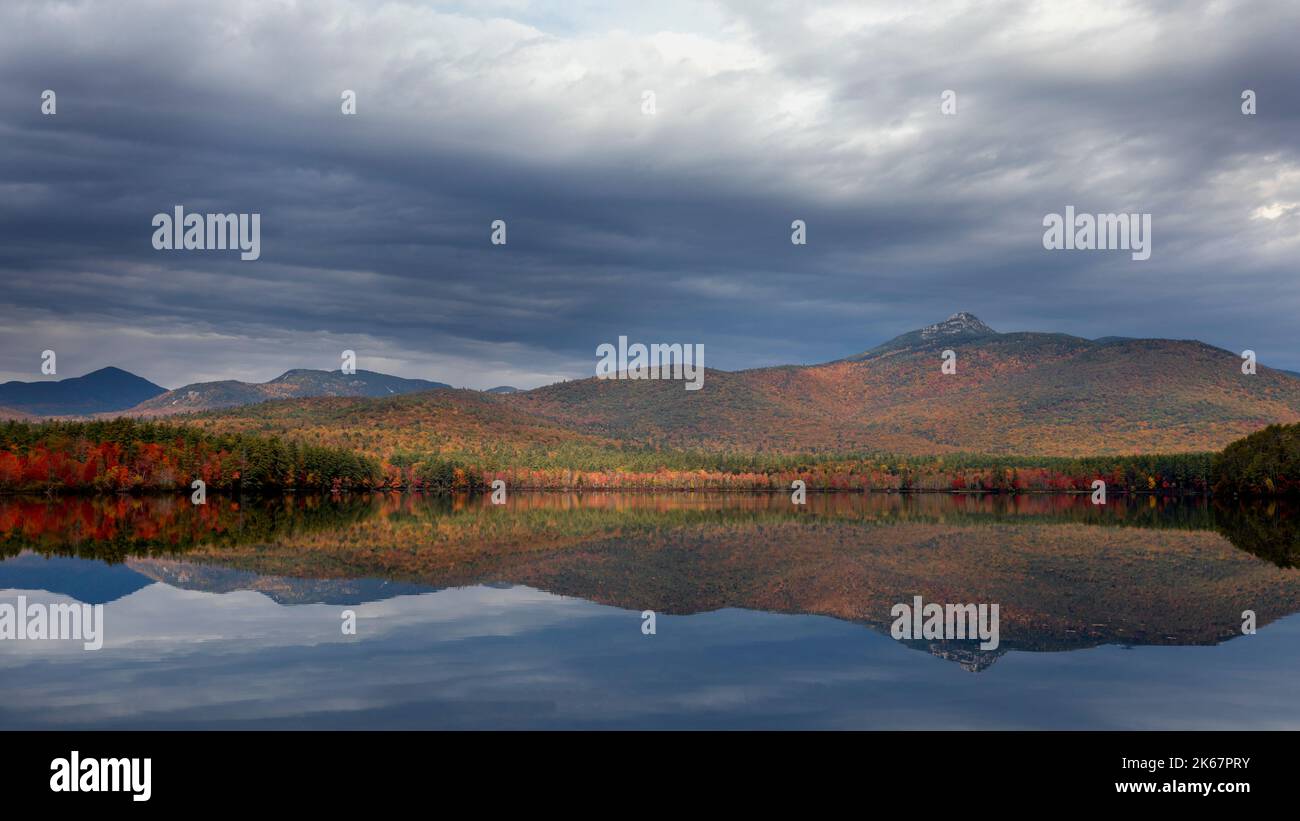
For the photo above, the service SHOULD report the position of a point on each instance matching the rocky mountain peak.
(959, 324)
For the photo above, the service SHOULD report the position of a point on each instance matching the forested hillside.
(1265, 463)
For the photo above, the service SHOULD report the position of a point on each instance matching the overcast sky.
(671, 227)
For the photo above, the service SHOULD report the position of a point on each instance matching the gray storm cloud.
(674, 226)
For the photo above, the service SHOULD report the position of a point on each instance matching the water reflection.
(115, 528)
(1067, 573)
(228, 614)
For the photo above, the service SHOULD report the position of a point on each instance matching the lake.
(766, 615)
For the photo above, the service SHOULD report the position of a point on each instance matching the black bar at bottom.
(333, 770)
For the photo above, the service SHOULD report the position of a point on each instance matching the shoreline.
(65, 493)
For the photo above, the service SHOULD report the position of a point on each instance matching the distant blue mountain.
(101, 391)
(86, 580)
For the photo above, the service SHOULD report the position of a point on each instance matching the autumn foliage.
(125, 455)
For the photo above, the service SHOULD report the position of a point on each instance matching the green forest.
(1265, 463)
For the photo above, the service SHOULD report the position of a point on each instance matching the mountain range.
(297, 383)
(113, 391)
(1023, 393)
(1011, 393)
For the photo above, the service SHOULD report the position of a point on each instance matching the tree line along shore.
(126, 455)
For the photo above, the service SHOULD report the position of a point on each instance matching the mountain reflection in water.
(1067, 575)
(1065, 572)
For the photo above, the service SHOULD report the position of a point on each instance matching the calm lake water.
(529, 615)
